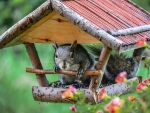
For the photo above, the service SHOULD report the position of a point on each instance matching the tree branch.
(39, 71)
(129, 31)
(36, 63)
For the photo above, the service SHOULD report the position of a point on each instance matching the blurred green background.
(15, 83)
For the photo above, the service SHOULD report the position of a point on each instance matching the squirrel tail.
(117, 63)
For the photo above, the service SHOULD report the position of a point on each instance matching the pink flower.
(69, 92)
(142, 41)
(73, 108)
(147, 81)
(114, 105)
(121, 77)
(102, 94)
(99, 111)
(142, 86)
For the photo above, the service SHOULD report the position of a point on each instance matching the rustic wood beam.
(33, 55)
(25, 23)
(101, 65)
(129, 31)
(86, 25)
(40, 71)
(102, 62)
(138, 53)
(49, 94)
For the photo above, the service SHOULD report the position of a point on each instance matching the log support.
(102, 62)
(33, 55)
(49, 94)
(101, 65)
(138, 53)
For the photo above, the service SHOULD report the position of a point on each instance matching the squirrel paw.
(80, 73)
(78, 84)
(78, 81)
(56, 68)
(55, 84)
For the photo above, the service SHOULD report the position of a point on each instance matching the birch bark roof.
(116, 23)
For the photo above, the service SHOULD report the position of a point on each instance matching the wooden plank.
(17, 40)
(57, 29)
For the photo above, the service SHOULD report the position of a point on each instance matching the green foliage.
(140, 102)
(16, 84)
(143, 3)
(11, 11)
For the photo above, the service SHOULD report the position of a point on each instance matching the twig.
(39, 71)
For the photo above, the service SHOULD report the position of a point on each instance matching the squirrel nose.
(64, 64)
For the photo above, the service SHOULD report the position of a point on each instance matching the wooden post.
(33, 55)
(101, 65)
(138, 54)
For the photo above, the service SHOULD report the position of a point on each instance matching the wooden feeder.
(117, 24)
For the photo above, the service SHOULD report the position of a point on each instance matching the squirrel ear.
(74, 45)
(55, 46)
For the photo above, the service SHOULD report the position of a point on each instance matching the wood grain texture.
(57, 29)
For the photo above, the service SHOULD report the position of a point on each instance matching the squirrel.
(73, 57)
(118, 63)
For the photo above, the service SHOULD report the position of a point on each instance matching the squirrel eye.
(56, 56)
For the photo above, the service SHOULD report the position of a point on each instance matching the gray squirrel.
(75, 57)
(72, 57)
(118, 63)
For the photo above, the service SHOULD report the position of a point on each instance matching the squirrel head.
(64, 55)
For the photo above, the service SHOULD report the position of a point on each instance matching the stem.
(148, 75)
(148, 46)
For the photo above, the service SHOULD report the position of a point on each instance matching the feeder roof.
(116, 23)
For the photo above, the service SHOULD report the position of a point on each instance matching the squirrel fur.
(76, 58)
(73, 57)
(116, 64)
